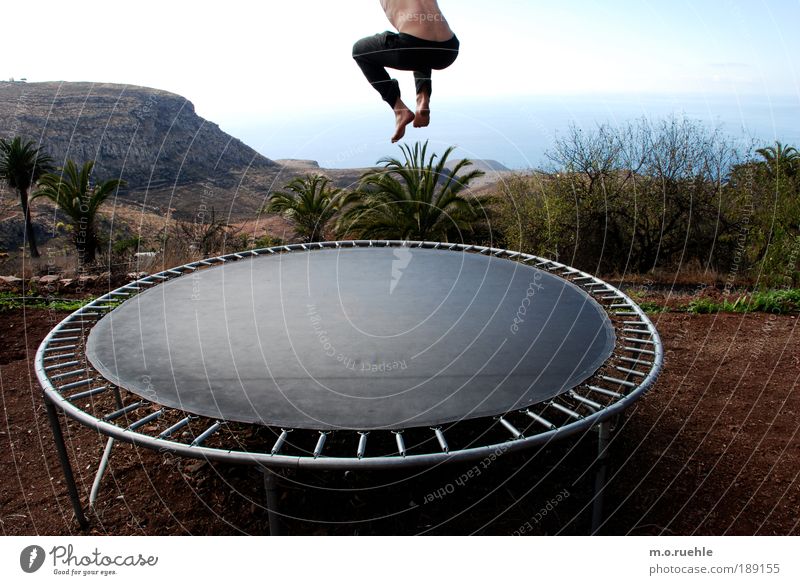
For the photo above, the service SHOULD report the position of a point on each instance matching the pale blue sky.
(236, 58)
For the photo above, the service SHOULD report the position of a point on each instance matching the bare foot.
(403, 117)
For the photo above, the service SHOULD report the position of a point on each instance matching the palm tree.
(309, 202)
(21, 167)
(415, 199)
(71, 190)
(780, 158)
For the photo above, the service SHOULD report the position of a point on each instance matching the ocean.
(516, 132)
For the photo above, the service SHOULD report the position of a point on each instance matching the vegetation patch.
(9, 301)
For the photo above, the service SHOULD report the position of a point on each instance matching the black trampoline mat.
(354, 338)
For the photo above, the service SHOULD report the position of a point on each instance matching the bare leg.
(423, 115)
(403, 117)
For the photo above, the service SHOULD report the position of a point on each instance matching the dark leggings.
(405, 52)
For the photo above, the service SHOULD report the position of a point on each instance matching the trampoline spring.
(582, 278)
(632, 372)
(323, 436)
(637, 350)
(62, 356)
(604, 391)
(636, 362)
(586, 401)
(642, 323)
(67, 374)
(117, 293)
(59, 347)
(594, 284)
(626, 314)
(175, 272)
(62, 339)
(620, 382)
(362, 445)
(634, 340)
(59, 366)
(240, 257)
(541, 420)
(207, 263)
(176, 427)
(123, 411)
(149, 418)
(401, 444)
(87, 393)
(77, 384)
(620, 306)
(279, 442)
(644, 331)
(570, 272)
(442, 441)
(159, 276)
(566, 410)
(70, 330)
(206, 434)
(511, 428)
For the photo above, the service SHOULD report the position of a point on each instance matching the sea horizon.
(516, 132)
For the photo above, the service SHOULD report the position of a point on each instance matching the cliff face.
(150, 138)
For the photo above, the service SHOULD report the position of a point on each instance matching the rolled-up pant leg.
(422, 78)
(373, 54)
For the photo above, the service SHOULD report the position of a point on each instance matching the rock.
(49, 279)
(11, 283)
(87, 279)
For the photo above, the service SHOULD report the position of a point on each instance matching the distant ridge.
(485, 165)
(151, 138)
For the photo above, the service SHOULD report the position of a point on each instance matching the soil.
(712, 449)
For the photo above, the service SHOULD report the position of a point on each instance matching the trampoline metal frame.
(59, 352)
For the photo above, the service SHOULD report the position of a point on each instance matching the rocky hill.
(148, 137)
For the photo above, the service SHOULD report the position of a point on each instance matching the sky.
(244, 63)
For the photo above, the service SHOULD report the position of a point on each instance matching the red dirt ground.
(713, 449)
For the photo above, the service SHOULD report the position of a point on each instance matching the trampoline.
(349, 355)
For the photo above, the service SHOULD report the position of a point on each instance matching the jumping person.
(423, 42)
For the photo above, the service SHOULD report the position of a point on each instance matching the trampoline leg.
(603, 430)
(101, 469)
(271, 489)
(63, 457)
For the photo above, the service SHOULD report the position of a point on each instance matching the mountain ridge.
(148, 137)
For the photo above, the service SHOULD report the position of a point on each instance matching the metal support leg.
(271, 489)
(603, 430)
(101, 469)
(69, 478)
